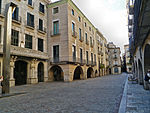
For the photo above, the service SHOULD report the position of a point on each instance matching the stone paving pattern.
(95, 95)
(138, 99)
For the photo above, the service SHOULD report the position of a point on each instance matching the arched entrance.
(89, 72)
(40, 72)
(20, 72)
(140, 72)
(109, 70)
(116, 70)
(96, 73)
(78, 73)
(56, 73)
(146, 62)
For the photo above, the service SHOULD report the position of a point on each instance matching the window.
(89, 28)
(92, 58)
(41, 8)
(73, 27)
(40, 44)
(79, 19)
(30, 2)
(28, 41)
(30, 20)
(80, 55)
(14, 37)
(87, 57)
(55, 10)
(91, 41)
(80, 34)
(116, 70)
(85, 24)
(40, 24)
(86, 37)
(55, 27)
(56, 53)
(95, 58)
(15, 14)
(72, 12)
(74, 53)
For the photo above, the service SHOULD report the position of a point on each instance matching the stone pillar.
(32, 79)
(12, 66)
(68, 76)
(46, 71)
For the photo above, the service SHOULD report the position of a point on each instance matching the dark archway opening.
(77, 73)
(140, 73)
(20, 72)
(40, 72)
(89, 72)
(56, 73)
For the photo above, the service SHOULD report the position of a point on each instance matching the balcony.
(74, 34)
(41, 29)
(115, 57)
(31, 5)
(57, 33)
(17, 20)
(92, 45)
(87, 42)
(81, 39)
(30, 25)
(78, 61)
(2, 13)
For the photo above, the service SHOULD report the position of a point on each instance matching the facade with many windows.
(114, 59)
(28, 41)
(52, 42)
(73, 44)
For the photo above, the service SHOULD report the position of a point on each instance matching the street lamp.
(10, 7)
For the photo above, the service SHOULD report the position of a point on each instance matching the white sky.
(109, 16)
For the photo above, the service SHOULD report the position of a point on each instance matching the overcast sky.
(109, 16)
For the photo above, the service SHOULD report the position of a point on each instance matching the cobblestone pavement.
(138, 99)
(95, 95)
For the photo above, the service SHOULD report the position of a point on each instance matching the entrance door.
(20, 73)
(40, 72)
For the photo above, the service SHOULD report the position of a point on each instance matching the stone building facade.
(28, 41)
(52, 42)
(72, 44)
(139, 38)
(114, 59)
(127, 59)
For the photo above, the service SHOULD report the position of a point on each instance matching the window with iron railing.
(80, 34)
(30, 20)
(41, 8)
(14, 37)
(74, 53)
(56, 53)
(40, 24)
(81, 56)
(92, 58)
(30, 2)
(55, 27)
(87, 57)
(28, 41)
(55, 10)
(15, 14)
(40, 45)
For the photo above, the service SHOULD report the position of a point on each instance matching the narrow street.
(95, 95)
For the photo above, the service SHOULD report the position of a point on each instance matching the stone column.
(45, 71)
(33, 78)
(12, 66)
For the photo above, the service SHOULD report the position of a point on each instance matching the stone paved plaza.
(95, 95)
(138, 99)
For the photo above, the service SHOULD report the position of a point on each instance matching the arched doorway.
(140, 72)
(146, 62)
(56, 73)
(40, 72)
(89, 72)
(116, 70)
(78, 73)
(20, 72)
(109, 70)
